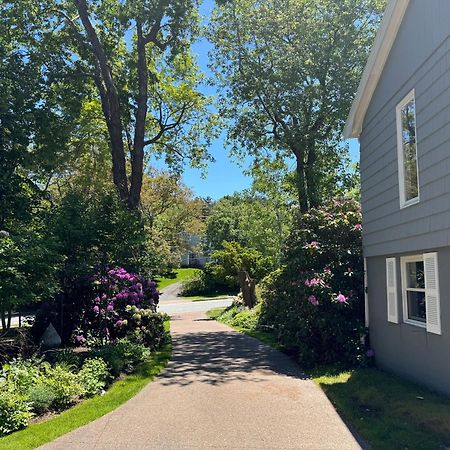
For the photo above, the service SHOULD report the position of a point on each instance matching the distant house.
(193, 254)
(401, 116)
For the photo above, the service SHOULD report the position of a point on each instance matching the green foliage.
(146, 327)
(113, 356)
(28, 268)
(93, 376)
(240, 317)
(153, 64)
(92, 230)
(122, 356)
(221, 275)
(122, 390)
(132, 353)
(171, 212)
(211, 281)
(66, 357)
(289, 71)
(63, 382)
(42, 396)
(197, 284)
(252, 220)
(234, 258)
(20, 375)
(15, 412)
(97, 229)
(316, 301)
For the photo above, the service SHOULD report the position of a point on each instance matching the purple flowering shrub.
(316, 301)
(108, 315)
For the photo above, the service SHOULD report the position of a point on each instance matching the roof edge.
(390, 25)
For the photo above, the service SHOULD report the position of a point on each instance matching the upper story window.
(407, 151)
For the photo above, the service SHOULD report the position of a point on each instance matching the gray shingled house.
(401, 115)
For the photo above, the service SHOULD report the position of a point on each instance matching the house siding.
(420, 60)
(408, 350)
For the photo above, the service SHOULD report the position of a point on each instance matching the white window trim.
(401, 166)
(406, 319)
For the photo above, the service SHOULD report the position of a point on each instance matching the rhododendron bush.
(316, 301)
(119, 302)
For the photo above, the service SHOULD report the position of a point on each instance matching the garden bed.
(91, 409)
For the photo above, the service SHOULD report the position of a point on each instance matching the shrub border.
(87, 411)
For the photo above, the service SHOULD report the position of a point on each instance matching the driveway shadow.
(221, 357)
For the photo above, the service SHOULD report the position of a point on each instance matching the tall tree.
(135, 57)
(289, 69)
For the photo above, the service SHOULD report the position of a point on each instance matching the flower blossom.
(314, 282)
(313, 300)
(341, 298)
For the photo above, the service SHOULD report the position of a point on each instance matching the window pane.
(415, 277)
(410, 150)
(416, 306)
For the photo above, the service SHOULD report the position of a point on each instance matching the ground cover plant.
(120, 328)
(88, 410)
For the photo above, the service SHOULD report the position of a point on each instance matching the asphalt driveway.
(221, 390)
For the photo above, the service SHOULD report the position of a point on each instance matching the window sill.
(411, 202)
(415, 323)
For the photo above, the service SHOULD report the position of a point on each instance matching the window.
(407, 151)
(420, 291)
(413, 278)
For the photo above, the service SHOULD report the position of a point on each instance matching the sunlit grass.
(179, 275)
(388, 411)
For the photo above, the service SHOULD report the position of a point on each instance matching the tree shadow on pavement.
(222, 357)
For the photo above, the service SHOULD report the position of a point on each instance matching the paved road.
(170, 303)
(221, 390)
(189, 306)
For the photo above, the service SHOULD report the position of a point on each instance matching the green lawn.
(386, 411)
(40, 433)
(179, 275)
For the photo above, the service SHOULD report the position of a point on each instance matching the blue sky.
(225, 175)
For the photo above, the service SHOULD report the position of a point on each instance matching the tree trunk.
(311, 179)
(137, 160)
(3, 317)
(248, 289)
(110, 103)
(301, 182)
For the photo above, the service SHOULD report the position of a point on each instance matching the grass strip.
(180, 275)
(387, 411)
(122, 390)
(264, 336)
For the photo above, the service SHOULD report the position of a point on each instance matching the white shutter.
(366, 295)
(433, 303)
(391, 281)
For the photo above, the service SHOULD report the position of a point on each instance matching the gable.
(378, 57)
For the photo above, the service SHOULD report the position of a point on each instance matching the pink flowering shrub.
(117, 295)
(316, 301)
